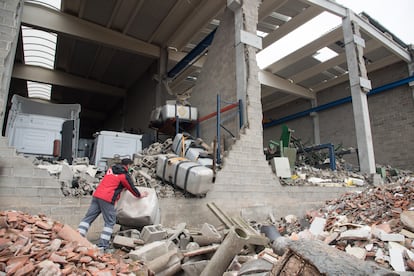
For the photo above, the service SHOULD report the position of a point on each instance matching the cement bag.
(138, 212)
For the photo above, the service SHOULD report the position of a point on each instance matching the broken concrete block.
(317, 226)
(356, 234)
(397, 259)
(209, 235)
(358, 252)
(407, 219)
(392, 237)
(121, 241)
(152, 233)
(66, 174)
(151, 251)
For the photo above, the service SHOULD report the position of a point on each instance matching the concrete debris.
(368, 230)
(305, 175)
(372, 225)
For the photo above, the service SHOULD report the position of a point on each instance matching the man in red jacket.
(104, 198)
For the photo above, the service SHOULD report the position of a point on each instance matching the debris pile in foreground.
(36, 245)
(375, 225)
(370, 231)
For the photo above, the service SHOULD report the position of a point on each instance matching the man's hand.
(143, 194)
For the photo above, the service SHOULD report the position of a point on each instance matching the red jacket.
(115, 180)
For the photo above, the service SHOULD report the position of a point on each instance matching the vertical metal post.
(177, 123)
(198, 129)
(241, 114)
(332, 157)
(218, 129)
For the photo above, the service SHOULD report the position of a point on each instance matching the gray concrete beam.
(269, 79)
(62, 23)
(44, 75)
(357, 70)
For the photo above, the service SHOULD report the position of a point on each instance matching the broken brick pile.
(375, 225)
(36, 245)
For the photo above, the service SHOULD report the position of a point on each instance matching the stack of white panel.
(190, 176)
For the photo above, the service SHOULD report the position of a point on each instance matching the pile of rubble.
(81, 178)
(306, 175)
(36, 245)
(376, 225)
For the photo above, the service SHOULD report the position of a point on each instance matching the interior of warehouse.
(114, 63)
(227, 116)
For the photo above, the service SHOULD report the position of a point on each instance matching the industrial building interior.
(111, 65)
(103, 49)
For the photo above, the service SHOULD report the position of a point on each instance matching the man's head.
(127, 162)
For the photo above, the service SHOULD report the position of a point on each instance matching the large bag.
(138, 212)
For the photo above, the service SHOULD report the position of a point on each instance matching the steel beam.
(382, 38)
(329, 6)
(269, 79)
(43, 75)
(50, 20)
(291, 25)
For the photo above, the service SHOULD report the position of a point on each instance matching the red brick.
(85, 259)
(58, 259)
(43, 225)
(69, 234)
(25, 269)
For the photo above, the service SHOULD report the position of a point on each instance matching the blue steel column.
(177, 123)
(218, 129)
(241, 119)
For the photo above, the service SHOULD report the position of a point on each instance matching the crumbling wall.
(218, 76)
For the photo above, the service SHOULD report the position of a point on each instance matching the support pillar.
(360, 86)
(162, 72)
(316, 128)
(411, 69)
